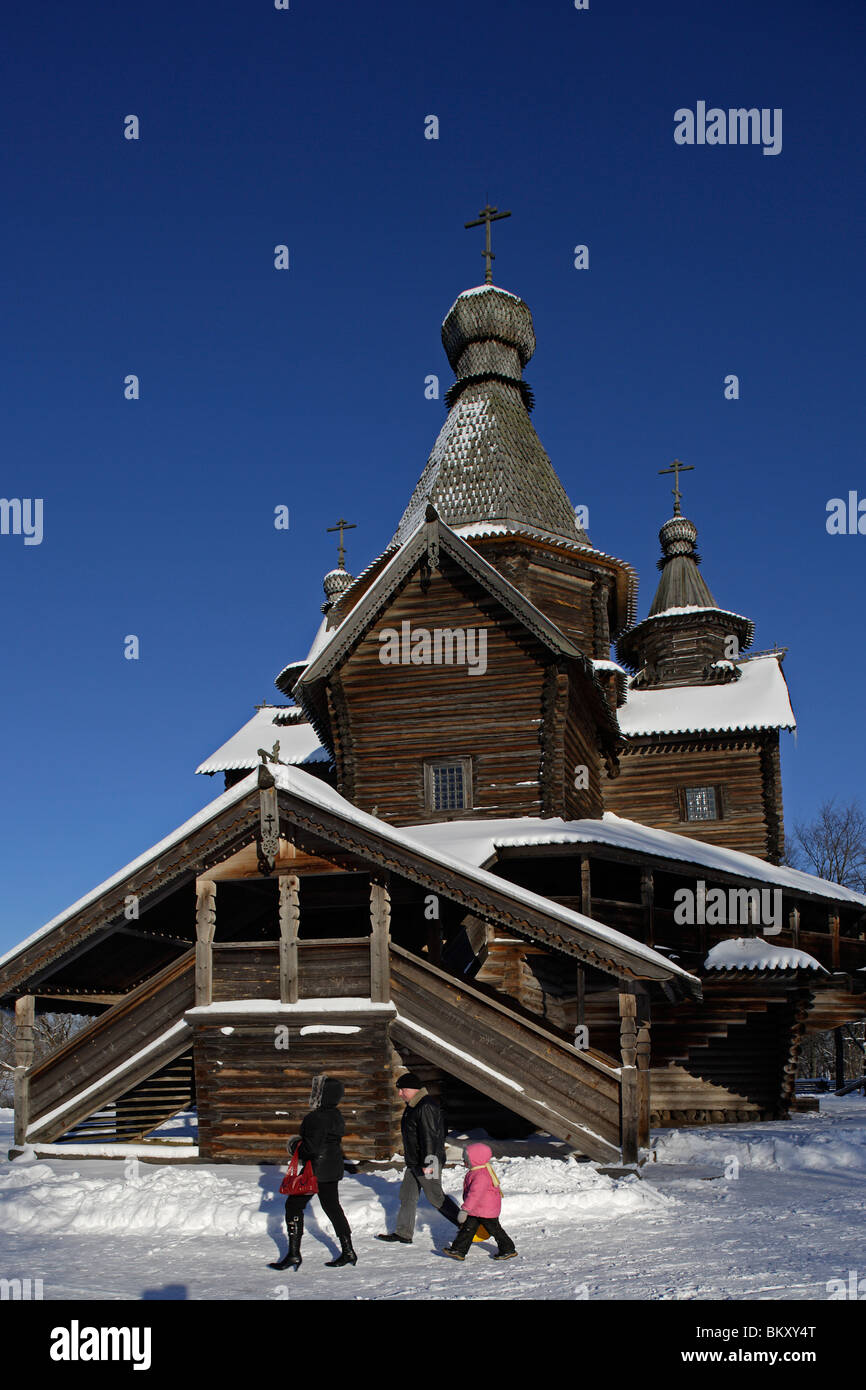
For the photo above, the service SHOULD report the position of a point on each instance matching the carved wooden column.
(629, 1107)
(25, 1014)
(643, 1050)
(289, 924)
(380, 943)
(205, 926)
(585, 886)
(833, 926)
(794, 925)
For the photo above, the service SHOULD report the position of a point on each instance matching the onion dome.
(488, 464)
(335, 584)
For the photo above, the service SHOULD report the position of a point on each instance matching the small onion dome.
(678, 537)
(488, 314)
(335, 584)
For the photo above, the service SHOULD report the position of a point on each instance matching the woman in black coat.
(320, 1143)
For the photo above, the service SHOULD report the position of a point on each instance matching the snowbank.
(134, 1198)
(831, 1142)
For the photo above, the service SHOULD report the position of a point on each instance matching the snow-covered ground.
(734, 1212)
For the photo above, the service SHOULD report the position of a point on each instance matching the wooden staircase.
(125, 1059)
(480, 1040)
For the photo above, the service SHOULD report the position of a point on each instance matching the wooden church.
(471, 840)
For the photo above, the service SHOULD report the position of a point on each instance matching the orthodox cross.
(676, 468)
(342, 526)
(485, 217)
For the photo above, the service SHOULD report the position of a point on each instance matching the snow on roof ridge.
(695, 608)
(319, 794)
(482, 838)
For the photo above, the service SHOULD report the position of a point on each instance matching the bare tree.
(834, 845)
(50, 1031)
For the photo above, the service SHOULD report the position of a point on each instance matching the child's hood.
(478, 1154)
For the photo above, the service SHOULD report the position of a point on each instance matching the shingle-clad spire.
(686, 638)
(682, 584)
(488, 464)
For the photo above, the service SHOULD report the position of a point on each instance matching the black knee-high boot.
(346, 1256)
(292, 1259)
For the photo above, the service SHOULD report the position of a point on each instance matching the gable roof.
(233, 818)
(429, 538)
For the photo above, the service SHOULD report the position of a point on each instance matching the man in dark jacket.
(423, 1133)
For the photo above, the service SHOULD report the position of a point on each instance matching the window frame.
(719, 794)
(447, 812)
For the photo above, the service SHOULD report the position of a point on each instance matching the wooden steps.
(109, 1060)
(573, 1095)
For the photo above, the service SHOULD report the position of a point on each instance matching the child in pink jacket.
(482, 1203)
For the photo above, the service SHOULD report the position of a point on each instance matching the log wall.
(252, 1094)
(653, 772)
(396, 717)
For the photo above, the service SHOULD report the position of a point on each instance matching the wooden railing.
(108, 1045)
(572, 1094)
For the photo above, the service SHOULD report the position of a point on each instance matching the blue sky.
(306, 387)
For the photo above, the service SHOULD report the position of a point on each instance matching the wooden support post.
(833, 925)
(647, 897)
(380, 943)
(794, 925)
(290, 917)
(629, 1107)
(643, 1051)
(581, 995)
(585, 886)
(25, 1016)
(205, 926)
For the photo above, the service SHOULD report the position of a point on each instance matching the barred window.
(701, 803)
(448, 785)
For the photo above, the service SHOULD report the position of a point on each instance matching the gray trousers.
(410, 1189)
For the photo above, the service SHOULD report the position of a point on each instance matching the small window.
(701, 803)
(448, 785)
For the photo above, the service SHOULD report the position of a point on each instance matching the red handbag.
(297, 1184)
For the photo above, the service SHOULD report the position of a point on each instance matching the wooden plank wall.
(647, 791)
(398, 716)
(252, 1095)
(327, 969)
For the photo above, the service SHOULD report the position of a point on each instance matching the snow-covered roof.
(478, 841)
(484, 289)
(753, 953)
(317, 793)
(758, 700)
(599, 665)
(677, 611)
(298, 742)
